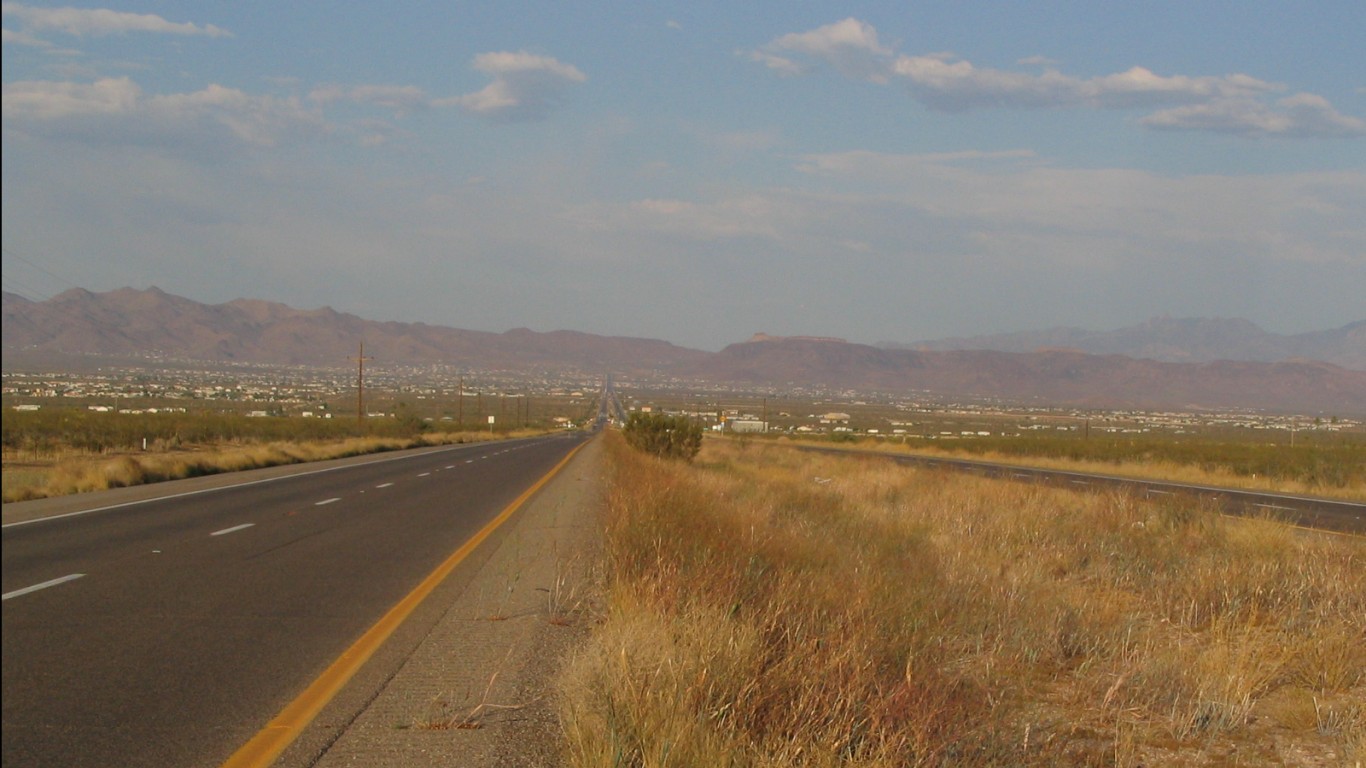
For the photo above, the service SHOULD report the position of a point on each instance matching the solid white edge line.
(233, 529)
(44, 585)
(80, 512)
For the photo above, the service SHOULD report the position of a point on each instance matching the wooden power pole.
(360, 385)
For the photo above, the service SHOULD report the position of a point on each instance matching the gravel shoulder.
(469, 682)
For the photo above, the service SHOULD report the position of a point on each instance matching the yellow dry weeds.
(773, 608)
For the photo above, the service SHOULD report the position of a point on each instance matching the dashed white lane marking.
(44, 585)
(384, 485)
(233, 529)
(450, 466)
(424, 474)
(326, 501)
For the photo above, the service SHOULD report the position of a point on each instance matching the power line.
(16, 287)
(38, 267)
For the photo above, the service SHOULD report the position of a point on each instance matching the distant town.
(445, 393)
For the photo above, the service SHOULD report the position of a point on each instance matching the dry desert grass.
(81, 473)
(773, 608)
(1352, 489)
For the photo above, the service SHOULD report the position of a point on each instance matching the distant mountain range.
(152, 323)
(1178, 340)
(129, 322)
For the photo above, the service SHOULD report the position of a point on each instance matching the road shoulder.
(476, 689)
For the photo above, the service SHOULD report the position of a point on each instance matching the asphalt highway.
(168, 632)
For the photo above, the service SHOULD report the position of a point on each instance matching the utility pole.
(360, 385)
(460, 405)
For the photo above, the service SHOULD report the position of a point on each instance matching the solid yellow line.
(279, 733)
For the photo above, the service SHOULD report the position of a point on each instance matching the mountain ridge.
(129, 322)
(1169, 339)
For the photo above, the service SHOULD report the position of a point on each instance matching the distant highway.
(1305, 511)
(609, 406)
(168, 632)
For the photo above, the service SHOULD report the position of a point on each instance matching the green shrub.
(669, 437)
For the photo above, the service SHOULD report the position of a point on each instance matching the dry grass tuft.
(768, 607)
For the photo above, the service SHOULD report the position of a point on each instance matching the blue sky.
(697, 172)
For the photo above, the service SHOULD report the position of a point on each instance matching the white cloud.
(44, 100)
(779, 64)
(95, 22)
(1229, 103)
(114, 109)
(525, 86)
(850, 46)
(117, 110)
(949, 83)
(1300, 115)
(10, 37)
